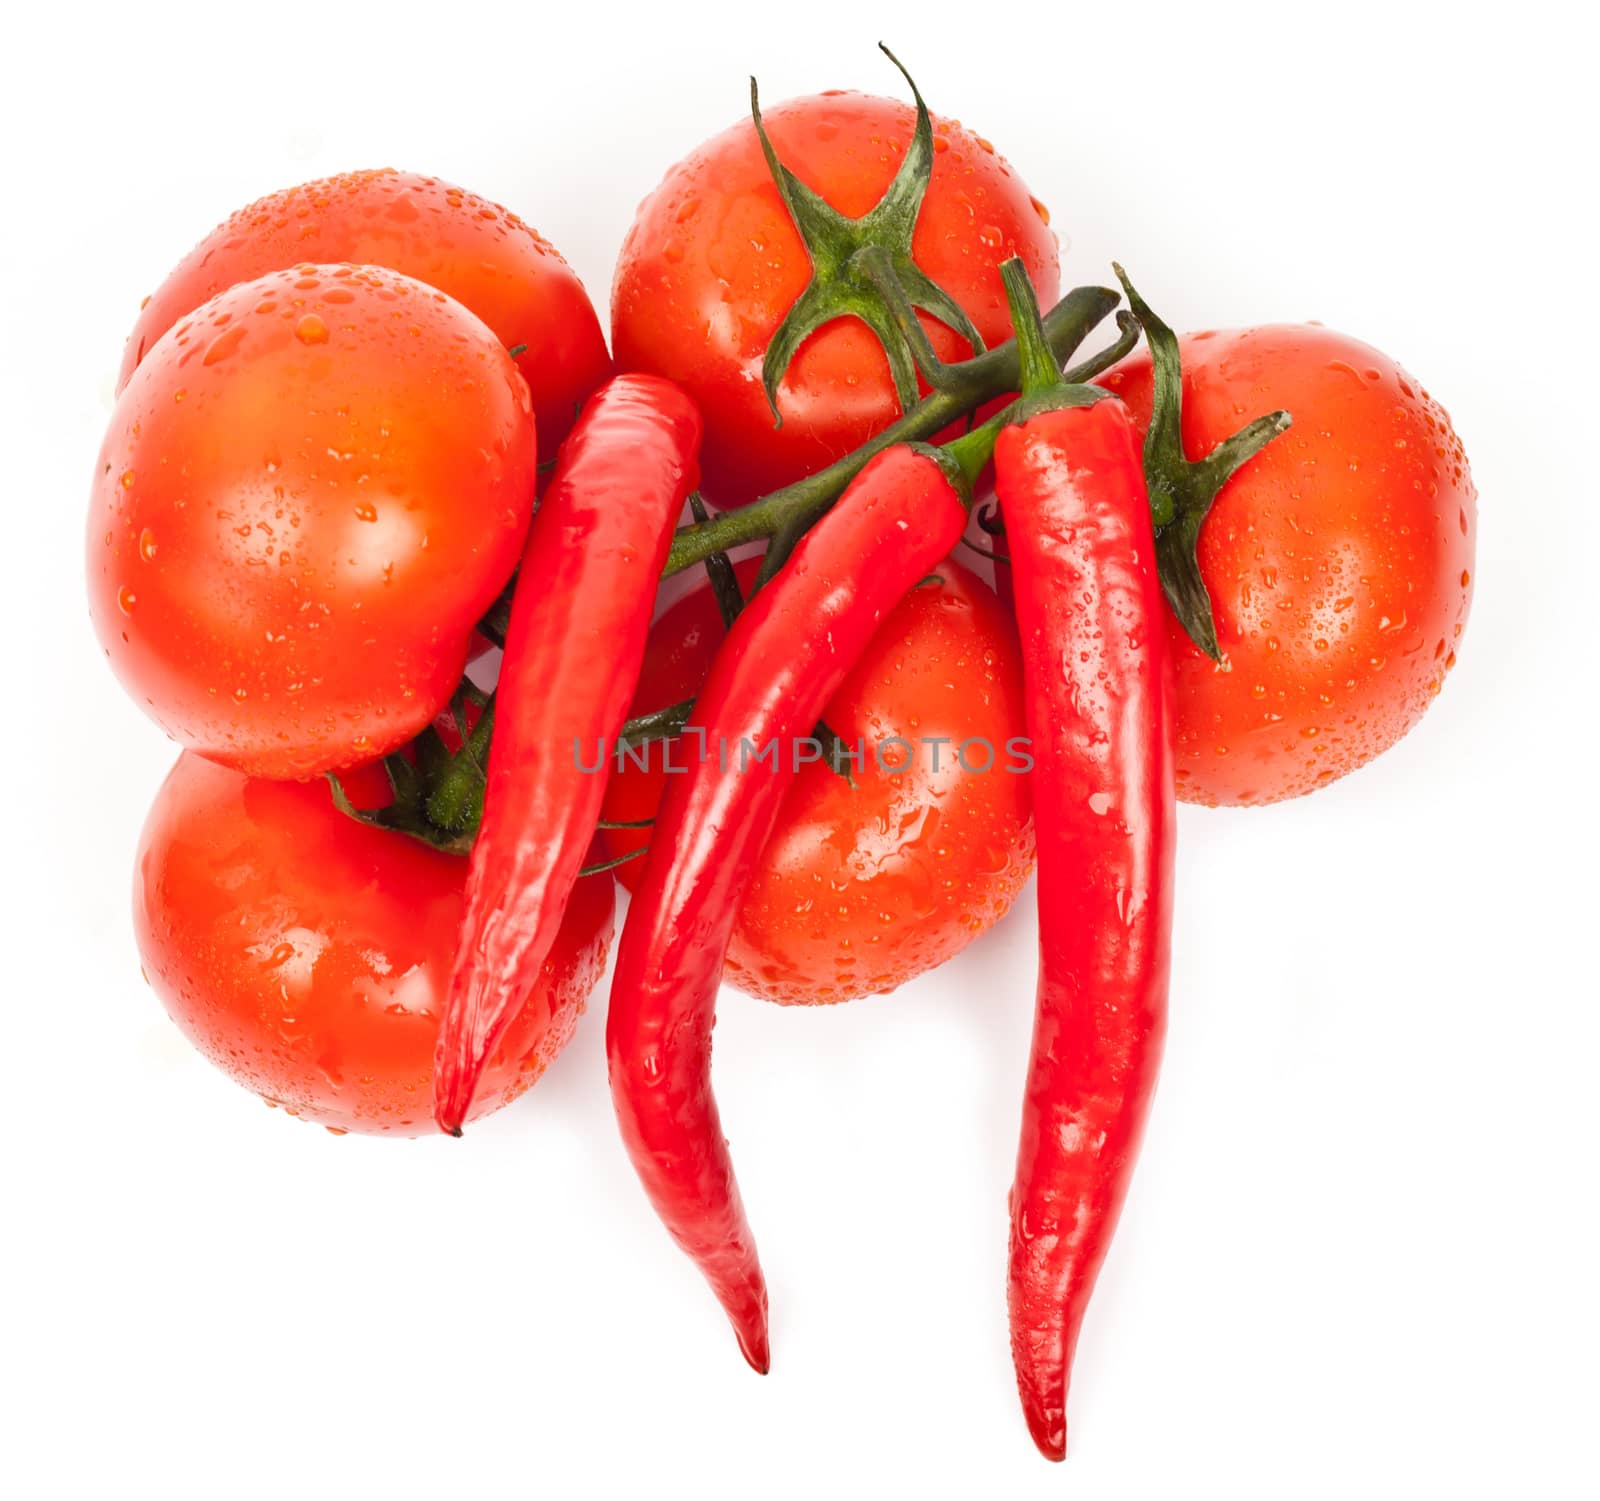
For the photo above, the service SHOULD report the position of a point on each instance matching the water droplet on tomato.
(126, 600)
(223, 345)
(147, 544)
(311, 330)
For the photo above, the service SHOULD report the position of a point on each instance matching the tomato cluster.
(321, 468)
(369, 431)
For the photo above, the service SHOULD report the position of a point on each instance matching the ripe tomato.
(482, 255)
(306, 954)
(862, 889)
(1339, 560)
(713, 263)
(309, 494)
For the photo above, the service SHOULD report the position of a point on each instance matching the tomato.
(862, 889)
(306, 954)
(309, 494)
(1339, 560)
(713, 263)
(482, 255)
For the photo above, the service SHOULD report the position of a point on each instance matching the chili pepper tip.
(1048, 1429)
(753, 1346)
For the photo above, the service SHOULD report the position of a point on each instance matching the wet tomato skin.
(1339, 560)
(309, 493)
(305, 954)
(862, 889)
(713, 262)
(473, 250)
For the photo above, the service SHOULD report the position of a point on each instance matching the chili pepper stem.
(1041, 371)
(1044, 387)
(971, 453)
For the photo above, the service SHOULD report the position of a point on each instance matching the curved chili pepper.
(1089, 607)
(782, 661)
(579, 618)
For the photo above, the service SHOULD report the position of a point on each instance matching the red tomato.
(309, 494)
(862, 889)
(1339, 560)
(713, 263)
(306, 954)
(482, 255)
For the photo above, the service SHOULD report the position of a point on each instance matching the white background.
(1359, 1256)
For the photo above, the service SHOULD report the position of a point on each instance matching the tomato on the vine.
(306, 954)
(1339, 560)
(713, 263)
(310, 492)
(862, 888)
(473, 250)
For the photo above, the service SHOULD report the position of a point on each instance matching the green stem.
(835, 245)
(456, 801)
(973, 450)
(877, 266)
(604, 865)
(1097, 364)
(497, 622)
(994, 373)
(659, 724)
(1041, 371)
(719, 570)
(1181, 492)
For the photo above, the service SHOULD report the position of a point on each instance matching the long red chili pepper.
(579, 618)
(784, 658)
(1070, 482)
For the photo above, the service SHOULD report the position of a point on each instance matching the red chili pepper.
(579, 618)
(1089, 608)
(784, 658)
